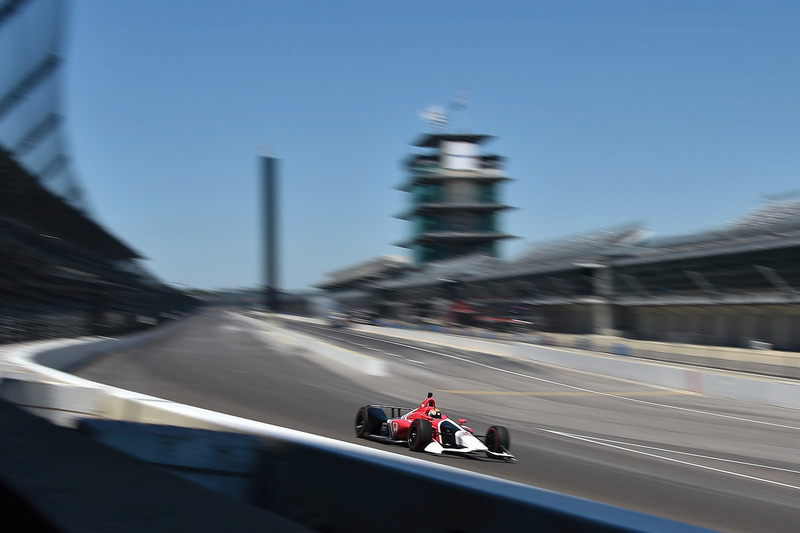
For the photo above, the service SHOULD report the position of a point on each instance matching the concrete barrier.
(353, 360)
(758, 358)
(228, 463)
(60, 403)
(56, 479)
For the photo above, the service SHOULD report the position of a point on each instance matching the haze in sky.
(680, 115)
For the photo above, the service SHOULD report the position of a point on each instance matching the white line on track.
(622, 446)
(583, 389)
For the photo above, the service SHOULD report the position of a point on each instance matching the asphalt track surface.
(720, 464)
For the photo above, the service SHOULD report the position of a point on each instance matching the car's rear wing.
(395, 411)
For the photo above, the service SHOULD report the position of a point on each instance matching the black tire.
(362, 422)
(419, 434)
(497, 439)
(368, 420)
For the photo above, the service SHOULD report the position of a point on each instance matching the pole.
(270, 210)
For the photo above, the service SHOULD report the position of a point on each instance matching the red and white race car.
(425, 428)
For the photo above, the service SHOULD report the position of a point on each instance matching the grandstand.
(61, 273)
(735, 285)
(756, 254)
(348, 285)
(584, 248)
(366, 271)
(31, 122)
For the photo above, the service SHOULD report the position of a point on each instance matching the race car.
(425, 428)
(338, 320)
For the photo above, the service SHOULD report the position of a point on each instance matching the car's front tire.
(497, 439)
(419, 434)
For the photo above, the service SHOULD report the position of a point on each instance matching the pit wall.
(758, 360)
(587, 353)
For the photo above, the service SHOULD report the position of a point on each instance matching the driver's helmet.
(435, 413)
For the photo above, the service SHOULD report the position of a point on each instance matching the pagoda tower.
(455, 198)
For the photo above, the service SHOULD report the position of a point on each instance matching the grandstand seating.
(596, 245)
(623, 279)
(61, 274)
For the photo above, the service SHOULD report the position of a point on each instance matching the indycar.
(425, 428)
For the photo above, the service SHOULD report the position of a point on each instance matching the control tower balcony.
(452, 207)
(445, 236)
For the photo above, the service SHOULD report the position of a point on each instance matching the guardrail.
(325, 484)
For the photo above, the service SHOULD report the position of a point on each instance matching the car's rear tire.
(419, 434)
(497, 439)
(368, 420)
(362, 422)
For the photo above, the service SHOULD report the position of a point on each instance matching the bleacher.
(364, 272)
(773, 217)
(583, 247)
(63, 275)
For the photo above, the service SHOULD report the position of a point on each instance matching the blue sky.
(680, 115)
